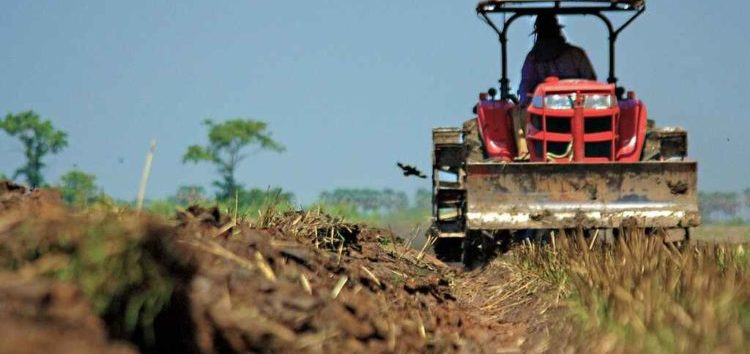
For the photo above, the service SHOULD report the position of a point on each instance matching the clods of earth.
(107, 280)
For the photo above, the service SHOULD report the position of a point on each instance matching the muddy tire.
(473, 145)
(473, 251)
(449, 250)
(481, 247)
(664, 144)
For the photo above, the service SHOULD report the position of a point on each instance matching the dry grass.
(642, 295)
(324, 231)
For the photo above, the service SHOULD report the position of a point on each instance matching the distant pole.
(144, 176)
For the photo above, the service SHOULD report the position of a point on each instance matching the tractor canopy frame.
(521, 8)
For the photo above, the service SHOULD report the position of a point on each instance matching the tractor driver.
(551, 55)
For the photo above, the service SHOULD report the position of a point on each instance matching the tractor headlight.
(565, 101)
(598, 102)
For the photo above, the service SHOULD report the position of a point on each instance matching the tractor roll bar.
(519, 9)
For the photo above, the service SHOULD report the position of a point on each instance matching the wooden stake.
(144, 176)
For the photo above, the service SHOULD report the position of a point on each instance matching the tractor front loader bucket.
(508, 196)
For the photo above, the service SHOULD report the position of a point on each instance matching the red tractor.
(582, 155)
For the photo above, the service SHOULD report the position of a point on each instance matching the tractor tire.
(473, 251)
(449, 250)
(473, 144)
(650, 150)
(481, 247)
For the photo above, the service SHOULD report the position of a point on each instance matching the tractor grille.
(597, 124)
(554, 138)
(600, 149)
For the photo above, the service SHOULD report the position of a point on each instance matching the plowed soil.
(113, 281)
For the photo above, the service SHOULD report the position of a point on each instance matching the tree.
(725, 204)
(226, 143)
(188, 195)
(423, 199)
(393, 201)
(366, 200)
(258, 197)
(38, 137)
(79, 188)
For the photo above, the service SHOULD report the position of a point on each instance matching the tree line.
(722, 206)
(362, 201)
(368, 200)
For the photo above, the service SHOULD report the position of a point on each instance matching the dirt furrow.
(289, 283)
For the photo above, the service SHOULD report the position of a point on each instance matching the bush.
(79, 188)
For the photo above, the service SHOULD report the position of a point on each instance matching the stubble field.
(110, 280)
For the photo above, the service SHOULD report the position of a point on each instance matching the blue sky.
(350, 87)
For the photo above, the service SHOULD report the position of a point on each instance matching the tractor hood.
(555, 85)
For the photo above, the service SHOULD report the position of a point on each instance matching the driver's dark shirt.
(553, 58)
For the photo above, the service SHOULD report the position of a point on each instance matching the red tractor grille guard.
(577, 134)
(584, 134)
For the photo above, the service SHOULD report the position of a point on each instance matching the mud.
(42, 316)
(290, 283)
(15, 197)
(264, 290)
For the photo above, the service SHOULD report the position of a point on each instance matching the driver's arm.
(529, 80)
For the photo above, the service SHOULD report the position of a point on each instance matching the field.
(107, 279)
(723, 233)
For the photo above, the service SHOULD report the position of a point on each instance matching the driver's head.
(547, 26)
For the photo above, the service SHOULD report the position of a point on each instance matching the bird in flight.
(410, 170)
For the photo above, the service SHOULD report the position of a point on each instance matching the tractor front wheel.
(449, 250)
